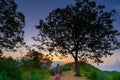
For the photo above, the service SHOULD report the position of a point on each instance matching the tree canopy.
(11, 25)
(83, 30)
(36, 59)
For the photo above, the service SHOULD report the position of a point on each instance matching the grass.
(92, 72)
(87, 70)
(15, 72)
(35, 75)
(113, 74)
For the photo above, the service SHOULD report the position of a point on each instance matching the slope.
(87, 71)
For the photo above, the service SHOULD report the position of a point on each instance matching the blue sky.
(34, 10)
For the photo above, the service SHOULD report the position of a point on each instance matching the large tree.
(11, 25)
(84, 30)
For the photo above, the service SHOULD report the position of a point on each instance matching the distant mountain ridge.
(57, 62)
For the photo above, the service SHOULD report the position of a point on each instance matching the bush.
(116, 76)
(93, 76)
(35, 75)
(9, 70)
(66, 67)
(52, 71)
(3, 76)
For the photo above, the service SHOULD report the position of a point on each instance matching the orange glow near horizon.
(18, 55)
(107, 61)
(66, 60)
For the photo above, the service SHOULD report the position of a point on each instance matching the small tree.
(83, 30)
(36, 60)
(11, 25)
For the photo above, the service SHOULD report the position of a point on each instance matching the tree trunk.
(77, 68)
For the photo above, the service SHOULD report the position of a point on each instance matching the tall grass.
(92, 72)
(9, 70)
(35, 75)
(116, 76)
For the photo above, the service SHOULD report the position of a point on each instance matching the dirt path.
(69, 75)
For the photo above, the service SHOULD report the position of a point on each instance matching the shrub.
(52, 71)
(35, 75)
(116, 76)
(93, 76)
(66, 67)
(3, 76)
(9, 70)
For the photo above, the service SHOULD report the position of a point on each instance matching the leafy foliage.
(113, 74)
(11, 25)
(92, 72)
(35, 75)
(116, 76)
(88, 71)
(83, 30)
(66, 67)
(9, 69)
(36, 60)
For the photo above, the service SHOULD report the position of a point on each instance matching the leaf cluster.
(11, 25)
(83, 30)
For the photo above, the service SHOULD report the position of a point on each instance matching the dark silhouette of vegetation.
(1, 52)
(84, 30)
(11, 25)
(36, 60)
(35, 65)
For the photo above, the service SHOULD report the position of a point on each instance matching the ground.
(69, 75)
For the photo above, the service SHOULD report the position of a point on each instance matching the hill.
(113, 74)
(87, 70)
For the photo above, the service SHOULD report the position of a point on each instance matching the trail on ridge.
(69, 75)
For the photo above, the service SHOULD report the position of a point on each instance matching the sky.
(34, 10)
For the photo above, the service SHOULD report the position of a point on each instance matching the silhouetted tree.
(36, 59)
(11, 25)
(83, 30)
(1, 52)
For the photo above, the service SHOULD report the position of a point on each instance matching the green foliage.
(35, 74)
(66, 67)
(52, 71)
(111, 73)
(36, 60)
(89, 71)
(92, 73)
(3, 76)
(93, 76)
(116, 76)
(9, 70)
